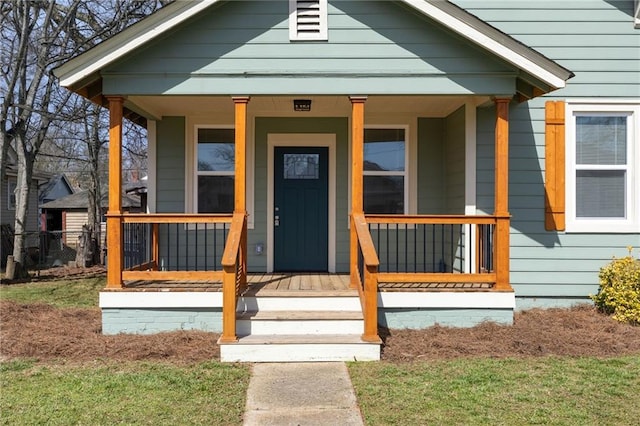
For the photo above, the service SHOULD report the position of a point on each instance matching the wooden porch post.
(115, 250)
(501, 244)
(240, 205)
(357, 167)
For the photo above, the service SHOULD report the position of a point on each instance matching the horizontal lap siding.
(170, 163)
(238, 40)
(596, 40)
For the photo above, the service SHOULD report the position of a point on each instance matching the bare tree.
(36, 37)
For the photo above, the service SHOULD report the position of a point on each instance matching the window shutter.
(308, 19)
(554, 166)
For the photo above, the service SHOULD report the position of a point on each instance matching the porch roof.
(537, 73)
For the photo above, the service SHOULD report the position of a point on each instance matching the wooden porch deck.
(325, 284)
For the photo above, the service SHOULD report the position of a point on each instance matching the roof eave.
(87, 64)
(490, 38)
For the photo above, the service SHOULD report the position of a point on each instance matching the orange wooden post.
(240, 205)
(115, 250)
(229, 305)
(370, 304)
(501, 242)
(357, 168)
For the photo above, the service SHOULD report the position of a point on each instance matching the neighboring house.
(496, 142)
(67, 215)
(8, 207)
(57, 187)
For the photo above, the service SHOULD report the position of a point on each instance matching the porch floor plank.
(296, 283)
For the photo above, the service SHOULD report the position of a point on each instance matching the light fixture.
(302, 104)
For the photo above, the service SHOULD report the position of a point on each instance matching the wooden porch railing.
(441, 248)
(234, 280)
(191, 249)
(364, 275)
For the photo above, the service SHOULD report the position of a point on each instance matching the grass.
(75, 293)
(510, 391)
(127, 393)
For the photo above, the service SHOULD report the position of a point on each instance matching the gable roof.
(82, 73)
(56, 183)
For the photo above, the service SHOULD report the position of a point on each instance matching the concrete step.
(299, 348)
(299, 322)
(298, 302)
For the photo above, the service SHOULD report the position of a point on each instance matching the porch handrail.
(490, 229)
(234, 276)
(151, 268)
(173, 218)
(366, 279)
(432, 219)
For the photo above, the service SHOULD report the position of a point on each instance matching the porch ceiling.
(154, 107)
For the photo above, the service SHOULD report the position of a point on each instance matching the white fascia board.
(160, 299)
(488, 43)
(126, 41)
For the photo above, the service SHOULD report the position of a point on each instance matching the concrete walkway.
(301, 394)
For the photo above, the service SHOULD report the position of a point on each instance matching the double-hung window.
(385, 171)
(603, 159)
(215, 170)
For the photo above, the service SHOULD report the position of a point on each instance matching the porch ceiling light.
(302, 104)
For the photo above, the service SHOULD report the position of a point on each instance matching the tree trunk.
(23, 190)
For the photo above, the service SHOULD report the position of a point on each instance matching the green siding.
(373, 47)
(454, 151)
(431, 192)
(170, 163)
(597, 41)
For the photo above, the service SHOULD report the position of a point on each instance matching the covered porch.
(386, 252)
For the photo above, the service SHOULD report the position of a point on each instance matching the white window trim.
(631, 223)
(295, 35)
(407, 169)
(191, 163)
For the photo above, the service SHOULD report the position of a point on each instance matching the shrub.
(619, 292)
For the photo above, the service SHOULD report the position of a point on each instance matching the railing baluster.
(406, 248)
(388, 263)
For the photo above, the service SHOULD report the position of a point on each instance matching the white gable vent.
(308, 19)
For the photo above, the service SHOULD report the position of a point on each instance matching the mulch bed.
(45, 333)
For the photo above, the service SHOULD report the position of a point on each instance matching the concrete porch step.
(299, 348)
(299, 322)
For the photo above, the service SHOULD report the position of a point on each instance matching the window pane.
(600, 193)
(216, 150)
(384, 149)
(215, 194)
(601, 140)
(301, 166)
(384, 194)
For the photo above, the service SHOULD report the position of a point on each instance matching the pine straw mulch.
(45, 333)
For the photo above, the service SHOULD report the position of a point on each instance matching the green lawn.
(560, 391)
(128, 393)
(74, 293)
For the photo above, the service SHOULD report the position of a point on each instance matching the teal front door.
(301, 197)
